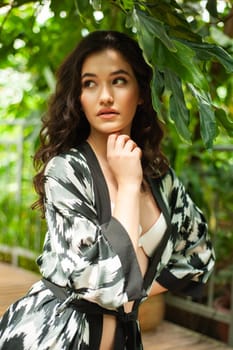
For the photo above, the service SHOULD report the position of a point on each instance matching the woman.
(120, 224)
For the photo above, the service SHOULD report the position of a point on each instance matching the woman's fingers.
(130, 145)
(111, 140)
(120, 142)
(124, 159)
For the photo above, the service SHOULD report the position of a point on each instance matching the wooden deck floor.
(169, 336)
(14, 283)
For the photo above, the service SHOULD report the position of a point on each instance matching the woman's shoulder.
(70, 162)
(168, 181)
(167, 178)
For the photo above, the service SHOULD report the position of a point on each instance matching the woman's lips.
(107, 113)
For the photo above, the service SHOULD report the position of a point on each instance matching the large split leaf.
(224, 121)
(206, 52)
(182, 62)
(178, 110)
(166, 52)
(157, 87)
(170, 13)
(208, 125)
(147, 25)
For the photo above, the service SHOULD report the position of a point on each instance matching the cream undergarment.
(151, 238)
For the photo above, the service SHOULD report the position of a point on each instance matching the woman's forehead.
(108, 60)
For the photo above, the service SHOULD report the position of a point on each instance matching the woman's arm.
(189, 257)
(156, 288)
(124, 159)
(97, 261)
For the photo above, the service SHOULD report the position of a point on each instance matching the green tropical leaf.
(128, 4)
(178, 110)
(182, 62)
(206, 52)
(146, 43)
(224, 121)
(157, 87)
(129, 20)
(208, 125)
(56, 6)
(125, 5)
(147, 25)
(81, 7)
(170, 13)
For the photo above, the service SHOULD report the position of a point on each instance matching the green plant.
(20, 225)
(184, 49)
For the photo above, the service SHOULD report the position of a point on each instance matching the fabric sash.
(127, 322)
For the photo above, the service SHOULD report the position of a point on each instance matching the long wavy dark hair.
(65, 125)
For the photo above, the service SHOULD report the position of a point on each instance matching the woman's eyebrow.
(120, 71)
(92, 75)
(84, 75)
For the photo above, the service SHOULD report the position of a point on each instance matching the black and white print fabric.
(95, 259)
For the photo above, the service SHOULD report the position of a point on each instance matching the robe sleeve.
(97, 261)
(192, 255)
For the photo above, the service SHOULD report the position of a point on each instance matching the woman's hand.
(124, 159)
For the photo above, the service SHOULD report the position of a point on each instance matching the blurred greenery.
(189, 45)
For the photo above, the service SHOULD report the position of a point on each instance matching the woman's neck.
(99, 145)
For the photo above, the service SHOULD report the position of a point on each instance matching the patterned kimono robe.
(89, 253)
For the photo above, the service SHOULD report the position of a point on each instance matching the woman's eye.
(88, 84)
(119, 81)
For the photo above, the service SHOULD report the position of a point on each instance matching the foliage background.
(189, 45)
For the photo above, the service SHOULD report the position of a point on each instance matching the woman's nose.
(106, 96)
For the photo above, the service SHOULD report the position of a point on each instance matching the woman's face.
(110, 92)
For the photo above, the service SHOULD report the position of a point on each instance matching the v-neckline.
(103, 207)
(102, 198)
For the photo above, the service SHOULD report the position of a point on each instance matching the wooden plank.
(169, 336)
(14, 283)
